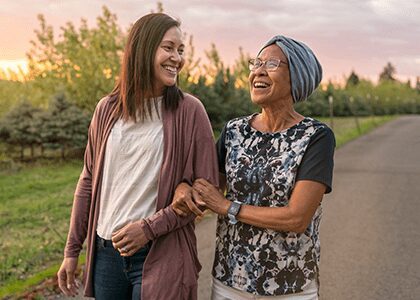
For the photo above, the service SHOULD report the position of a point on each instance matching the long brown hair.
(135, 85)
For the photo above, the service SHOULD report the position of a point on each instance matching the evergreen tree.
(214, 65)
(188, 73)
(18, 127)
(11, 93)
(210, 99)
(159, 8)
(388, 73)
(65, 126)
(241, 70)
(352, 80)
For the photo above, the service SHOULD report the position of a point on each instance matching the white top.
(133, 159)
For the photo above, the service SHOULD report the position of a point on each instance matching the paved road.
(206, 234)
(370, 232)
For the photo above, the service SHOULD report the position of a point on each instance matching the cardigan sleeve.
(200, 162)
(201, 159)
(82, 197)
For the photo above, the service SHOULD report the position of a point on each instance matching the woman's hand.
(205, 193)
(183, 203)
(129, 239)
(67, 278)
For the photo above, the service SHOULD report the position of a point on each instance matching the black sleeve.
(318, 161)
(221, 151)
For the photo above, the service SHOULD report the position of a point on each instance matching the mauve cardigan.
(171, 267)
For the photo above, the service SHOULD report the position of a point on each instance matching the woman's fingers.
(66, 276)
(198, 199)
(129, 239)
(129, 250)
(118, 238)
(183, 203)
(179, 211)
(184, 207)
(203, 187)
(71, 283)
(62, 282)
(199, 183)
(124, 247)
(202, 181)
(193, 207)
(198, 187)
(117, 235)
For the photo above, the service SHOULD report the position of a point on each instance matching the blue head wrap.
(305, 69)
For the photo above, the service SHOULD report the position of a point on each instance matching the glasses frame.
(253, 67)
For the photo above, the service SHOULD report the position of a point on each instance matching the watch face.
(234, 209)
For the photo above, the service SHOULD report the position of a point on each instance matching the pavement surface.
(370, 232)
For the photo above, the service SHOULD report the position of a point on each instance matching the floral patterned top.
(261, 170)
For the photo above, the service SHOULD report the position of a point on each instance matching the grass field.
(35, 205)
(345, 129)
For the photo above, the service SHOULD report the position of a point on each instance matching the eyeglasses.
(270, 64)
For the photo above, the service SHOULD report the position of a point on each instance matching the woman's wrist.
(224, 207)
(146, 229)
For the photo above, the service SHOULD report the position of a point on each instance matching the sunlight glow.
(14, 68)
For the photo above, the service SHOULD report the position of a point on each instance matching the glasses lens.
(272, 64)
(254, 64)
(251, 64)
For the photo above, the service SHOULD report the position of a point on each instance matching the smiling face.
(168, 60)
(270, 87)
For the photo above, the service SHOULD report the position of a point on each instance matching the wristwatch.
(233, 211)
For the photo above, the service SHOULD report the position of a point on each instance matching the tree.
(189, 73)
(84, 63)
(11, 92)
(159, 7)
(214, 65)
(18, 127)
(388, 73)
(241, 70)
(65, 126)
(352, 80)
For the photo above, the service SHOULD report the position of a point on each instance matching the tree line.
(62, 126)
(67, 76)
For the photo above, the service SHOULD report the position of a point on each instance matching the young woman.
(145, 139)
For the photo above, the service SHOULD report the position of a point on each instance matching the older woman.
(277, 165)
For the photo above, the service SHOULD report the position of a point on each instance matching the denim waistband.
(103, 242)
(108, 243)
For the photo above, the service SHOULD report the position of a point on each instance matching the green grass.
(345, 129)
(18, 287)
(35, 205)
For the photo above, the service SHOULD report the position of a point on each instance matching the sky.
(359, 35)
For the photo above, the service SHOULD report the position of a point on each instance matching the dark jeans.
(117, 277)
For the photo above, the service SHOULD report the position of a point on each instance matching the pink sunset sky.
(346, 35)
